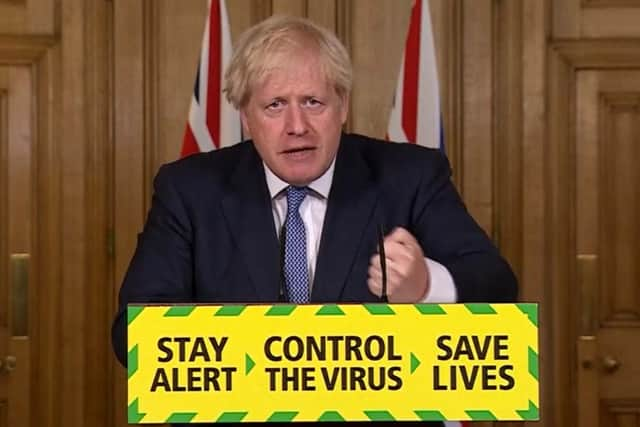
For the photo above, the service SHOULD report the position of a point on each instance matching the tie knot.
(295, 196)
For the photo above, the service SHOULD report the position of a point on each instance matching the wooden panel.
(609, 54)
(376, 24)
(588, 275)
(75, 227)
(128, 174)
(34, 56)
(619, 346)
(507, 174)
(606, 176)
(621, 228)
(13, 17)
(477, 138)
(596, 18)
(64, 131)
(3, 414)
(587, 382)
(129, 151)
(623, 413)
(4, 252)
(323, 12)
(24, 108)
(566, 19)
(47, 259)
(289, 7)
(629, 419)
(4, 212)
(611, 3)
(532, 274)
(618, 22)
(587, 178)
(20, 149)
(42, 16)
(446, 18)
(244, 13)
(594, 230)
(620, 206)
(25, 17)
(20, 222)
(173, 45)
(587, 234)
(559, 197)
(97, 301)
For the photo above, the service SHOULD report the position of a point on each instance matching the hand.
(407, 273)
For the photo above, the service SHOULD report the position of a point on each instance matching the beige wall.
(540, 103)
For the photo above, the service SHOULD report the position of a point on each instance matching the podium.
(332, 362)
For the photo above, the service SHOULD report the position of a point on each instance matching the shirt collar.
(320, 186)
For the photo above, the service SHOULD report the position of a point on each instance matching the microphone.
(283, 296)
(383, 263)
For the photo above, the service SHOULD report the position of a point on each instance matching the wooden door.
(16, 310)
(24, 77)
(595, 200)
(594, 210)
(53, 133)
(608, 244)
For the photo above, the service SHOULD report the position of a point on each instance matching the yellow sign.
(370, 362)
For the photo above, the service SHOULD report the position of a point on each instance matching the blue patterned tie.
(296, 273)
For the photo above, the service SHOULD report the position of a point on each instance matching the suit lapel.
(247, 209)
(351, 203)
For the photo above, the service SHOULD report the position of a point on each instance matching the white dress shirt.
(313, 209)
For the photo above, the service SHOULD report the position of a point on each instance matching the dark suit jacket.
(210, 235)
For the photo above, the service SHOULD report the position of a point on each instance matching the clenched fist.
(407, 273)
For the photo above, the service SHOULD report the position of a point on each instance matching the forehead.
(297, 70)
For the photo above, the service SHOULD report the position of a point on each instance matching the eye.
(313, 103)
(275, 105)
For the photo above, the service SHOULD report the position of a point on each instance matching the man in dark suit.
(222, 228)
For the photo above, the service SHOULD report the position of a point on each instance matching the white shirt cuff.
(442, 289)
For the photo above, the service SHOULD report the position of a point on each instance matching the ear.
(345, 108)
(246, 133)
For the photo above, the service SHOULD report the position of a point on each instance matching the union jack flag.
(213, 122)
(415, 115)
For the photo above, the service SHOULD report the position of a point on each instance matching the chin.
(301, 179)
(298, 181)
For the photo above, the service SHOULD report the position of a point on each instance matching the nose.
(296, 121)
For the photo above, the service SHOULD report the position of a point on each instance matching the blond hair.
(262, 45)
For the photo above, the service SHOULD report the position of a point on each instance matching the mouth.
(298, 153)
(297, 150)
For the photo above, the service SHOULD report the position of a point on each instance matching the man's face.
(295, 118)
